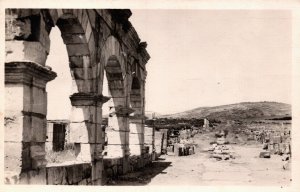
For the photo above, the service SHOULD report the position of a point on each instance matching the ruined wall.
(97, 42)
(158, 142)
(149, 138)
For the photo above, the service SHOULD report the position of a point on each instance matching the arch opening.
(65, 129)
(58, 146)
(116, 128)
(136, 125)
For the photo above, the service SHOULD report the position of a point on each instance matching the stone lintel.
(23, 73)
(87, 99)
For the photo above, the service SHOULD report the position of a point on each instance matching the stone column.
(86, 131)
(148, 138)
(25, 120)
(118, 134)
(136, 137)
(136, 123)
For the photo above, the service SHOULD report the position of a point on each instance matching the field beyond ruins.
(226, 151)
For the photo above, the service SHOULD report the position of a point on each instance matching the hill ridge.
(241, 110)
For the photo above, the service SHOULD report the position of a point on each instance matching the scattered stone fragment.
(265, 154)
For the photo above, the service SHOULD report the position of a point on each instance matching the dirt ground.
(199, 169)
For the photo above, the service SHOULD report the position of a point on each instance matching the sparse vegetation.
(68, 154)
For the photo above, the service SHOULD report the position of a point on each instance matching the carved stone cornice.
(87, 99)
(28, 73)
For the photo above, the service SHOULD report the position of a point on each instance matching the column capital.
(27, 72)
(88, 99)
(121, 111)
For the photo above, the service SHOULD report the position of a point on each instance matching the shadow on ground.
(142, 176)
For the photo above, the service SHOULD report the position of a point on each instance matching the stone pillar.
(136, 137)
(86, 131)
(148, 138)
(25, 120)
(118, 134)
(136, 124)
(49, 139)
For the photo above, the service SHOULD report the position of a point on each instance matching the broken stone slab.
(285, 157)
(221, 156)
(265, 154)
(286, 165)
(221, 141)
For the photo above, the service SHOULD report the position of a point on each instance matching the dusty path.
(199, 169)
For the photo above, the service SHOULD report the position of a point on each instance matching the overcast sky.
(206, 58)
(200, 58)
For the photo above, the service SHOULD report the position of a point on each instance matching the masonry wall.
(98, 41)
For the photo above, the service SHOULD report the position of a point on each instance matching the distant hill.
(238, 111)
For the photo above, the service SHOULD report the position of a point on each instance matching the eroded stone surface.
(93, 50)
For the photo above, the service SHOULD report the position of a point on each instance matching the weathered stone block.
(137, 111)
(74, 173)
(82, 73)
(85, 19)
(39, 101)
(92, 17)
(76, 61)
(118, 123)
(70, 38)
(115, 82)
(81, 86)
(114, 151)
(27, 103)
(85, 154)
(116, 101)
(39, 128)
(69, 25)
(97, 148)
(83, 182)
(49, 137)
(13, 157)
(37, 177)
(97, 170)
(17, 128)
(136, 138)
(77, 49)
(83, 132)
(44, 36)
(26, 51)
(37, 154)
(92, 47)
(79, 15)
(13, 98)
(88, 31)
(148, 139)
(148, 130)
(17, 28)
(135, 149)
(117, 137)
(48, 146)
(136, 126)
(15, 178)
(85, 113)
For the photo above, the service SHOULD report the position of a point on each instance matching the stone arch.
(113, 59)
(111, 50)
(75, 33)
(27, 46)
(27, 75)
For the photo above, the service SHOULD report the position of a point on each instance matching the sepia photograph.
(150, 95)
